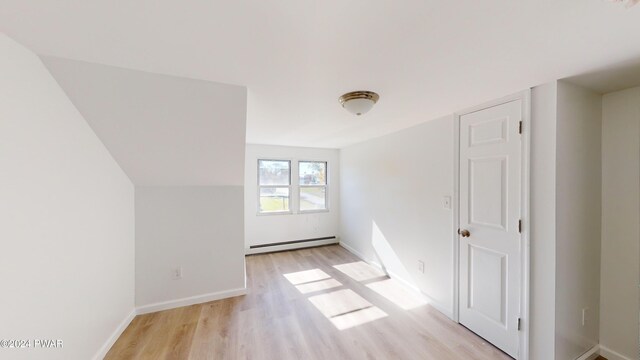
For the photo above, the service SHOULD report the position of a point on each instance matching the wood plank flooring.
(318, 303)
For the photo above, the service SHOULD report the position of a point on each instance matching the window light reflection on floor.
(346, 309)
(356, 318)
(318, 285)
(306, 276)
(360, 271)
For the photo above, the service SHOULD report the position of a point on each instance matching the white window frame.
(260, 187)
(325, 185)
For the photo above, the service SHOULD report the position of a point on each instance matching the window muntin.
(274, 183)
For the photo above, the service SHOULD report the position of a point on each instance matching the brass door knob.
(464, 233)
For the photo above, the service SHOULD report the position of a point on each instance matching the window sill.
(274, 213)
(293, 213)
(313, 211)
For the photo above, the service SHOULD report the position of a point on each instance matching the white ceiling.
(426, 58)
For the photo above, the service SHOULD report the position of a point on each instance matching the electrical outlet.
(176, 273)
(421, 266)
(585, 313)
(446, 202)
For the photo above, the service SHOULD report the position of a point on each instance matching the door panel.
(490, 195)
(487, 283)
(487, 188)
(487, 132)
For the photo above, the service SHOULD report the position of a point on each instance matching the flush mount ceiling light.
(359, 102)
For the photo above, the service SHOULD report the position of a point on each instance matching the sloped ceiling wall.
(163, 130)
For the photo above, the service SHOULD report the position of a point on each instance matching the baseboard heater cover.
(290, 242)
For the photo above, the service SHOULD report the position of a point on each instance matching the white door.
(490, 197)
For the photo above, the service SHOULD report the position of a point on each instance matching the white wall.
(543, 222)
(620, 223)
(578, 217)
(199, 229)
(182, 142)
(265, 229)
(67, 219)
(398, 181)
(392, 191)
(406, 222)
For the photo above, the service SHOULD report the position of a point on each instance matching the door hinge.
(520, 226)
(520, 128)
(519, 324)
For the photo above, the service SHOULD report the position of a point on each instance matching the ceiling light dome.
(359, 102)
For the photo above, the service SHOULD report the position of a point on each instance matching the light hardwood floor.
(319, 303)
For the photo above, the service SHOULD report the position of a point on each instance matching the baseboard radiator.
(291, 245)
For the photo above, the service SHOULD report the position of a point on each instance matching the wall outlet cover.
(176, 274)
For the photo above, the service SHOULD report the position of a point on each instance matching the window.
(274, 186)
(312, 180)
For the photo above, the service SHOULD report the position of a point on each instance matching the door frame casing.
(525, 97)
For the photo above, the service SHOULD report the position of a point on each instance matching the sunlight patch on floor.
(346, 309)
(318, 286)
(356, 318)
(395, 292)
(306, 276)
(360, 271)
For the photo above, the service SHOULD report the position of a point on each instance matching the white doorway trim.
(525, 96)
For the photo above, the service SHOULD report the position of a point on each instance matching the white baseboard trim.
(591, 354)
(612, 355)
(114, 336)
(286, 247)
(407, 284)
(192, 300)
(362, 257)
